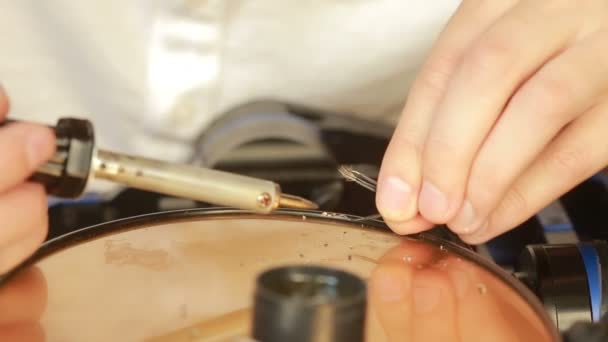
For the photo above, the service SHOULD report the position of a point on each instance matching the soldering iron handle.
(66, 174)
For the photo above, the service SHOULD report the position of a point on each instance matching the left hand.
(509, 112)
(22, 302)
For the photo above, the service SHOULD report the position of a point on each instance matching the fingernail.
(466, 221)
(39, 146)
(426, 298)
(394, 198)
(389, 288)
(433, 203)
(477, 235)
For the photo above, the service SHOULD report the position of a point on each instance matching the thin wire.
(367, 218)
(352, 175)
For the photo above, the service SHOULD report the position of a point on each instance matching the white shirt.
(151, 75)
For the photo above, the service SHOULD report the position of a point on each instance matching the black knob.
(570, 280)
(67, 173)
(309, 303)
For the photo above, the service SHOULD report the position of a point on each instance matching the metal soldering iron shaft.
(77, 160)
(205, 185)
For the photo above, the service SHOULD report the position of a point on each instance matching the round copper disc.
(190, 276)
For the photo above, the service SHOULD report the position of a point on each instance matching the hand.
(23, 206)
(509, 112)
(441, 301)
(22, 303)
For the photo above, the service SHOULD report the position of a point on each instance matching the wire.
(352, 175)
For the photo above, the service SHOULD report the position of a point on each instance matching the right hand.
(23, 206)
(435, 297)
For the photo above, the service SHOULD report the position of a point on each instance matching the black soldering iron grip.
(75, 140)
(66, 174)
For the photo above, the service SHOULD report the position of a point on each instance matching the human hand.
(509, 112)
(23, 206)
(22, 303)
(421, 294)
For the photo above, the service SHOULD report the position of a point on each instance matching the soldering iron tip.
(296, 202)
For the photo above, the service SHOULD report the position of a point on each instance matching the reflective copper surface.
(190, 277)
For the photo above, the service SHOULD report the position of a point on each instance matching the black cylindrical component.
(67, 173)
(587, 332)
(308, 304)
(75, 148)
(558, 276)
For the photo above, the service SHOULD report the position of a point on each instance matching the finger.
(577, 153)
(410, 252)
(479, 316)
(13, 255)
(415, 225)
(22, 332)
(23, 212)
(390, 287)
(3, 103)
(486, 77)
(559, 92)
(399, 178)
(23, 298)
(24, 147)
(390, 300)
(433, 301)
